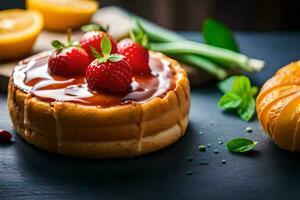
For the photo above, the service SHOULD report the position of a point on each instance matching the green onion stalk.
(205, 57)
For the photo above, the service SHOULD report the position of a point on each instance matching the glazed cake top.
(31, 76)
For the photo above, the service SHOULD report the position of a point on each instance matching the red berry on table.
(108, 73)
(68, 59)
(93, 36)
(135, 52)
(5, 136)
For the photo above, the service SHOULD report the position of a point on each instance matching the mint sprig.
(106, 50)
(94, 27)
(226, 85)
(230, 100)
(239, 96)
(240, 145)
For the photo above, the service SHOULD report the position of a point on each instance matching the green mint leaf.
(241, 85)
(94, 27)
(95, 52)
(247, 109)
(116, 57)
(57, 44)
(239, 95)
(230, 100)
(105, 46)
(226, 85)
(219, 35)
(240, 145)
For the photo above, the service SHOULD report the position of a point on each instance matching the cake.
(60, 114)
(99, 98)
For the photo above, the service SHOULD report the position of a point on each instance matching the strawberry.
(108, 73)
(135, 52)
(68, 59)
(71, 61)
(93, 36)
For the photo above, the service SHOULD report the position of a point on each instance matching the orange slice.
(59, 15)
(18, 32)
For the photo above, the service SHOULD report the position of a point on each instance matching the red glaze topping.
(31, 76)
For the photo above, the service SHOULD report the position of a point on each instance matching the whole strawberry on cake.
(99, 99)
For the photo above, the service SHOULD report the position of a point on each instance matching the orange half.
(18, 32)
(59, 15)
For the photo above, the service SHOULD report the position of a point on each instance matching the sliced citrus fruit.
(59, 15)
(18, 32)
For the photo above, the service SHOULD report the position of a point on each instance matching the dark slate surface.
(267, 173)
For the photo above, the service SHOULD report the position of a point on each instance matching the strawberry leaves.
(137, 35)
(116, 57)
(239, 96)
(94, 27)
(105, 46)
(58, 45)
(95, 52)
(106, 50)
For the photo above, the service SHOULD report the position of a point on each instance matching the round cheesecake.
(60, 114)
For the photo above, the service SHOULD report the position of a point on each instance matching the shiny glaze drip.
(31, 76)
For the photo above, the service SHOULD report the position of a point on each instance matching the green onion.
(158, 34)
(192, 52)
(219, 55)
(203, 64)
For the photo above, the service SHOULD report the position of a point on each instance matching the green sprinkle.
(190, 158)
(189, 172)
(202, 148)
(249, 129)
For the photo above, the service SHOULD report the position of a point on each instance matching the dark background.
(189, 14)
(266, 173)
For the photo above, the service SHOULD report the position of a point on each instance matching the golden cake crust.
(92, 132)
